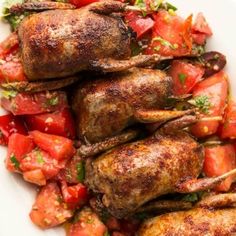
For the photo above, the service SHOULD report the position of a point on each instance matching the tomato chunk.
(200, 25)
(19, 145)
(185, 76)
(38, 159)
(10, 124)
(28, 104)
(11, 71)
(219, 160)
(138, 23)
(228, 129)
(35, 176)
(210, 96)
(74, 195)
(171, 35)
(88, 224)
(58, 147)
(59, 123)
(49, 210)
(9, 45)
(81, 3)
(73, 172)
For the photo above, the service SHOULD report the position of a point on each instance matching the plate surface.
(16, 196)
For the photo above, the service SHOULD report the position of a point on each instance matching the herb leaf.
(40, 159)
(53, 101)
(202, 103)
(80, 171)
(9, 93)
(192, 197)
(182, 78)
(165, 42)
(14, 161)
(106, 234)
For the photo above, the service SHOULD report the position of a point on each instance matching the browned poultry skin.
(58, 43)
(196, 222)
(133, 174)
(106, 106)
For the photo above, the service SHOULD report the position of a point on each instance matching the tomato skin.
(38, 159)
(81, 3)
(10, 124)
(49, 210)
(138, 23)
(59, 123)
(191, 76)
(18, 146)
(199, 38)
(216, 89)
(58, 147)
(12, 71)
(28, 104)
(228, 129)
(174, 30)
(219, 160)
(88, 225)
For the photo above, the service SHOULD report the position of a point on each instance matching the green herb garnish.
(165, 42)
(53, 101)
(106, 234)
(202, 103)
(40, 159)
(192, 197)
(14, 161)
(182, 78)
(9, 93)
(80, 171)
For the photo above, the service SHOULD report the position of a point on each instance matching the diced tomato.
(74, 195)
(39, 159)
(49, 210)
(219, 160)
(58, 147)
(10, 124)
(28, 104)
(199, 38)
(200, 25)
(138, 23)
(9, 45)
(35, 176)
(74, 171)
(81, 3)
(185, 75)
(19, 145)
(228, 129)
(171, 35)
(215, 89)
(59, 123)
(88, 224)
(11, 71)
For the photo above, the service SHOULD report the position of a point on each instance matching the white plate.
(16, 196)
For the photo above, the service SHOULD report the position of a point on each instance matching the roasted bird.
(132, 174)
(62, 42)
(108, 105)
(213, 216)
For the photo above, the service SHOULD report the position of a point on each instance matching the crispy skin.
(106, 106)
(133, 174)
(194, 222)
(59, 43)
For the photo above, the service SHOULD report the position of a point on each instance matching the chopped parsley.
(14, 161)
(182, 78)
(80, 171)
(192, 197)
(202, 103)
(9, 93)
(40, 159)
(53, 101)
(13, 19)
(165, 42)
